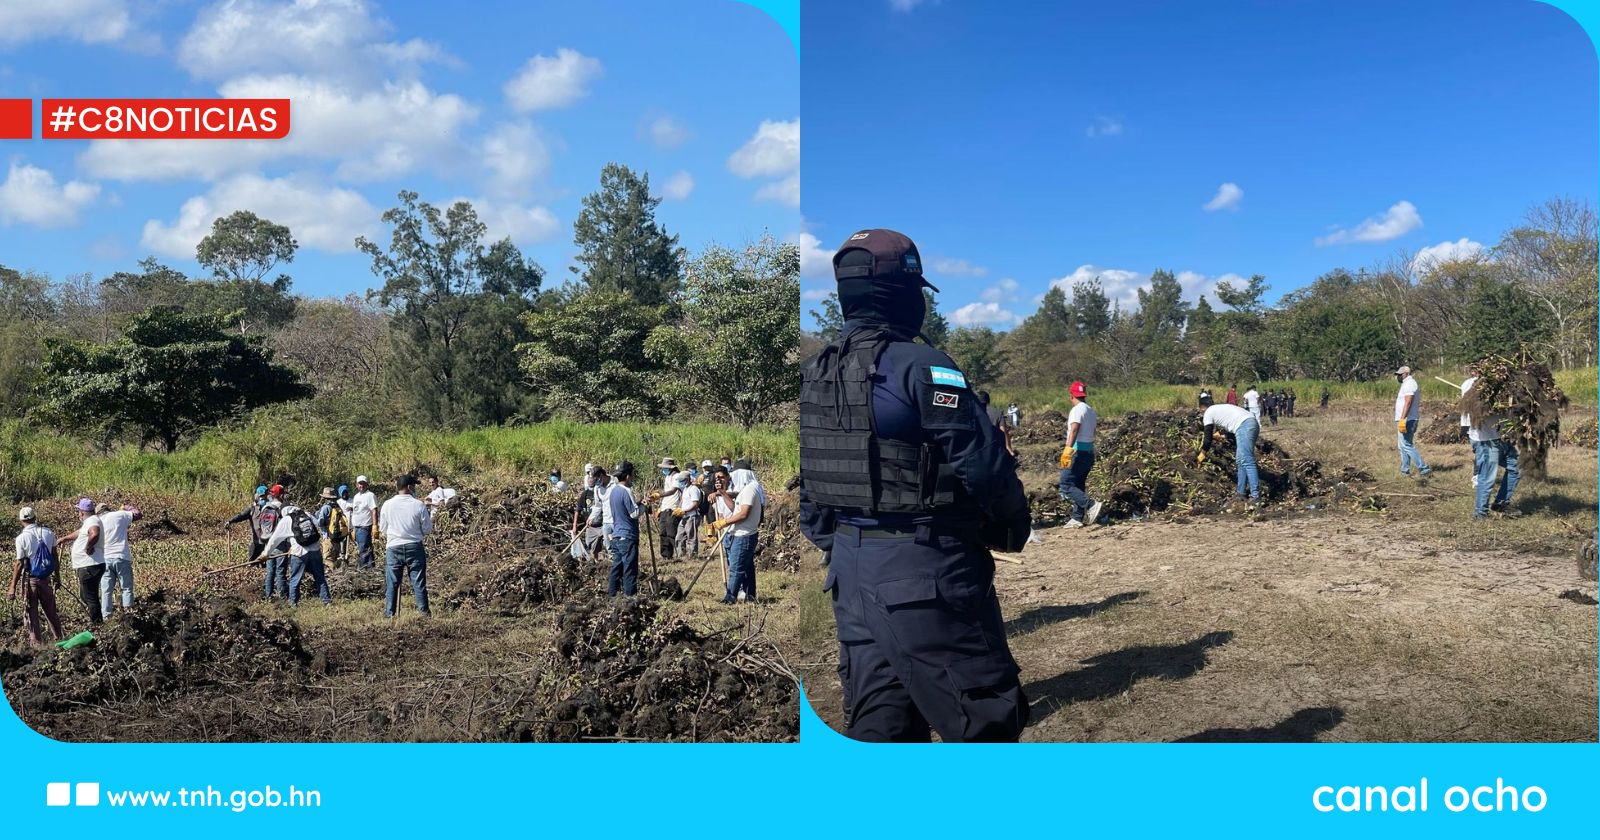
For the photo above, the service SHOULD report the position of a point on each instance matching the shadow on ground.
(1045, 616)
(1110, 674)
(1301, 727)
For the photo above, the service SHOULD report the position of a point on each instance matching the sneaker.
(1074, 523)
(1474, 481)
(1093, 515)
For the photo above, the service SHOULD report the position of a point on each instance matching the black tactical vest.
(843, 463)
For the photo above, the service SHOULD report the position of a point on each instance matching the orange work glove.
(1400, 426)
(1066, 457)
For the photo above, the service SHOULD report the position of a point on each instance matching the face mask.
(683, 482)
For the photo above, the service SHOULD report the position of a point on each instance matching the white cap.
(361, 479)
(588, 468)
(26, 514)
(1405, 370)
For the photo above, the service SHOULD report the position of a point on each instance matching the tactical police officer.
(906, 485)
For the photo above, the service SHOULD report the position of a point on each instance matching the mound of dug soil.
(1146, 464)
(618, 672)
(1584, 433)
(164, 645)
(522, 583)
(781, 545)
(1049, 426)
(1444, 428)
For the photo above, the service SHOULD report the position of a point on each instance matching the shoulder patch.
(944, 400)
(947, 376)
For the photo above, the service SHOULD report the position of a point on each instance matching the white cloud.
(774, 152)
(323, 38)
(665, 131)
(525, 224)
(986, 314)
(951, 267)
(553, 81)
(321, 217)
(89, 21)
(372, 134)
(1104, 127)
(815, 260)
(1395, 222)
(815, 295)
(1227, 198)
(1005, 291)
(1446, 251)
(678, 187)
(786, 191)
(515, 155)
(30, 196)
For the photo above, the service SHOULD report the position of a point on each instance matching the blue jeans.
(1244, 459)
(277, 582)
(741, 566)
(1408, 450)
(119, 575)
(395, 558)
(624, 574)
(1487, 458)
(364, 559)
(1072, 480)
(311, 562)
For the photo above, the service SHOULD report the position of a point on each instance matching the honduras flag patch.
(946, 376)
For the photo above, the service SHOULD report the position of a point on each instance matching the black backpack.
(303, 529)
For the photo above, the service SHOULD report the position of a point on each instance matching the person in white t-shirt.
(688, 513)
(119, 559)
(1077, 458)
(1466, 419)
(38, 567)
(1490, 452)
(406, 520)
(1245, 428)
(294, 525)
(1407, 413)
(88, 559)
(738, 523)
(1252, 402)
(440, 496)
(364, 518)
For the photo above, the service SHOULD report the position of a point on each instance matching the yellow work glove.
(1400, 426)
(1200, 457)
(1066, 457)
(718, 525)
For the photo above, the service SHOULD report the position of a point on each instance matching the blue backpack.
(42, 562)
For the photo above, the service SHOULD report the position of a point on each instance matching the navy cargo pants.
(921, 640)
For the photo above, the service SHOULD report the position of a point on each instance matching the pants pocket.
(989, 695)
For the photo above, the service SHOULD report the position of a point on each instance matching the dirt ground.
(1308, 620)
(522, 645)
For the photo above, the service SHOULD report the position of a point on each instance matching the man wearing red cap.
(1077, 458)
(277, 582)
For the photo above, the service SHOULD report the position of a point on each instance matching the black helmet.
(879, 272)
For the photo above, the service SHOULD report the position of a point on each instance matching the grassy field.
(1302, 622)
(1579, 384)
(223, 465)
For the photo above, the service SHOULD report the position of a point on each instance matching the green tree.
(620, 246)
(735, 348)
(934, 326)
(25, 323)
(241, 250)
(455, 306)
(1054, 321)
(585, 351)
(1500, 317)
(1244, 298)
(170, 374)
(1160, 319)
(1091, 308)
(829, 320)
(976, 350)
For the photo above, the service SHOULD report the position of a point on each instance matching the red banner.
(16, 119)
(165, 119)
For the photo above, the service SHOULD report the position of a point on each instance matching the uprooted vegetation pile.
(619, 671)
(1145, 463)
(1522, 391)
(1443, 429)
(1584, 433)
(163, 645)
(511, 544)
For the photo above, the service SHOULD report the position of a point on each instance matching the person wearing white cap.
(667, 509)
(364, 522)
(1407, 414)
(688, 515)
(36, 570)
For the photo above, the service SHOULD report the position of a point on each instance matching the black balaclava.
(895, 301)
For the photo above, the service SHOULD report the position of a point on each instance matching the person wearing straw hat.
(37, 568)
(334, 522)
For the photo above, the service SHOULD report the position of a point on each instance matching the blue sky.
(1055, 141)
(512, 105)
